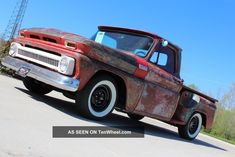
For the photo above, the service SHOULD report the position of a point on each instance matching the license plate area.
(23, 71)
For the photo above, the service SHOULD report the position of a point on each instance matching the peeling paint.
(154, 93)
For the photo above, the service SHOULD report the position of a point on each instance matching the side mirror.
(164, 43)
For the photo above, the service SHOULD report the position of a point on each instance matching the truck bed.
(199, 93)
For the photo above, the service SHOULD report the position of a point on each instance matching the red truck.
(133, 71)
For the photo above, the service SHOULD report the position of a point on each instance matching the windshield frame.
(127, 33)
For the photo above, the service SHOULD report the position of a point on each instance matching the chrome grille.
(44, 59)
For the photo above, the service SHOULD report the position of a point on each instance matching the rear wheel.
(135, 116)
(192, 128)
(98, 98)
(35, 86)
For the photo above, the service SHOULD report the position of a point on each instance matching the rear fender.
(190, 103)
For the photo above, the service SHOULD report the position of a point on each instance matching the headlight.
(13, 49)
(66, 65)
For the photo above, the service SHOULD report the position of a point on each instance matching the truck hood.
(120, 59)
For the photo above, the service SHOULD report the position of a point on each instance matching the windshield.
(136, 44)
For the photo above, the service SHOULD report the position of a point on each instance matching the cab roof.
(138, 32)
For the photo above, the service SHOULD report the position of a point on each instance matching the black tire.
(35, 86)
(98, 99)
(135, 116)
(192, 127)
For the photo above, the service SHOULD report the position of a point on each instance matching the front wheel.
(192, 128)
(35, 86)
(99, 97)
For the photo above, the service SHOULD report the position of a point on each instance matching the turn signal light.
(70, 44)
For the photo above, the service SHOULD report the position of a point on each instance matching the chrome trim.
(41, 58)
(44, 75)
(38, 56)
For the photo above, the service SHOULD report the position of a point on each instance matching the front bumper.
(41, 74)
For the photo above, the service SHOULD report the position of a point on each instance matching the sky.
(204, 29)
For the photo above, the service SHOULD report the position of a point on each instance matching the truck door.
(161, 90)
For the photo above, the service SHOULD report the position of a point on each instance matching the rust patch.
(134, 91)
(158, 102)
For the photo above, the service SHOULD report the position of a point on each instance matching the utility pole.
(15, 21)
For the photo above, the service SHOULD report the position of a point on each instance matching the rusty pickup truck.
(133, 71)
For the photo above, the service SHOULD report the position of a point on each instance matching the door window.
(164, 58)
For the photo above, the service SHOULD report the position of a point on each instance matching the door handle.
(177, 81)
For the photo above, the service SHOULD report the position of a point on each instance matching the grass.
(219, 138)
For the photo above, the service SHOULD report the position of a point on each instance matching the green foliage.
(224, 124)
(4, 49)
(193, 86)
(218, 137)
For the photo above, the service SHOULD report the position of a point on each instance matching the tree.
(4, 48)
(193, 86)
(224, 124)
(228, 100)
